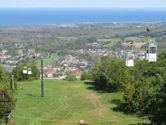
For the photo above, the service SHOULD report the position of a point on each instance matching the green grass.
(113, 40)
(110, 45)
(66, 103)
(48, 61)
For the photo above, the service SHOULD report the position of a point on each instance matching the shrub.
(71, 78)
(147, 94)
(7, 101)
(110, 73)
(18, 73)
(87, 76)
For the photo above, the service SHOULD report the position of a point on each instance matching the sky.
(83, 3)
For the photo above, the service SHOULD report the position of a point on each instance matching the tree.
(7, 101)
(110, 73)
(18, 72)
(3, 75)
(157, 107)
(147, 94)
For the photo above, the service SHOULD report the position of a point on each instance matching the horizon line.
(44, 7)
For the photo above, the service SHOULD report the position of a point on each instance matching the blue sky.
(84, 3)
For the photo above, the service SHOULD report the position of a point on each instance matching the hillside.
(66, 103)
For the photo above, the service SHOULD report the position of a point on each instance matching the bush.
(110, 74)
(4, 77)
(71, 78)
(87, 76)
(6, 96)
(7, 101)
(147, 94)
(18, 73)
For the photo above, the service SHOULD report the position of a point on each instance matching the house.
(49, 72)
(74, 71)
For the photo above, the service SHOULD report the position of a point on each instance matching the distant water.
(13, 17)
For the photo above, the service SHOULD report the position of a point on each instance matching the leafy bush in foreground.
(7, 101)
(147, 94)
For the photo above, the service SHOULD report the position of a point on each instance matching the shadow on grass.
(120, 107)
(116, 102)
(32, 95)
(89, 82)
(98, 89)
(140, 124)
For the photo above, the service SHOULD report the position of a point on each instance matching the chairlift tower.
(42, 80)
(41, 72)
(28, 71)
(151, 52)
(150, 49)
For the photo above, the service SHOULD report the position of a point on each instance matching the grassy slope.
(65, 103)
(47, 61)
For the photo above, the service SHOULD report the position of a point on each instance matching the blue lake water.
(44, 16)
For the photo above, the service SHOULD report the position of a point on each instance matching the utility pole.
(12, 83)
(42, 81)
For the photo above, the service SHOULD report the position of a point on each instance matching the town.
(73, 49)
(74, 64)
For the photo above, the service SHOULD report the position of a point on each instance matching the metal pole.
(12, 83)
(42, 81)
(132, 49)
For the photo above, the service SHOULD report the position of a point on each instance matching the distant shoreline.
(60, 16)
(84, 23)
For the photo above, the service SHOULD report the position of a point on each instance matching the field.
(47, 61)
(66, 103)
